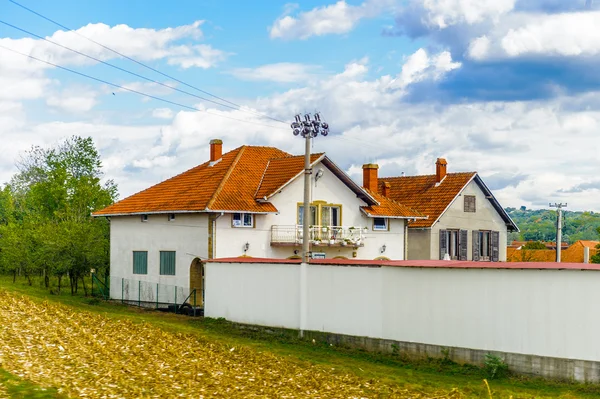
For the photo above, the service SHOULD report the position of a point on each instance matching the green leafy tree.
(596, 258)
(45, 213)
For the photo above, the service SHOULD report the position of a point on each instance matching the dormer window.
(144, 218)
(171, 217)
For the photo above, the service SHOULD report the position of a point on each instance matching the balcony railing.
(318, 235)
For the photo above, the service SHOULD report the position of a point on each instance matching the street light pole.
(309, 128)
(558, 228)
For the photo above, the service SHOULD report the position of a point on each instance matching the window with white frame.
(242, 220)
(144, 218)
(171, 217)
(380, 223)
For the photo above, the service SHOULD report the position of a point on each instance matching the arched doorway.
(197, 280)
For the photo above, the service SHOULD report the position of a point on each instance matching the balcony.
(329, 236)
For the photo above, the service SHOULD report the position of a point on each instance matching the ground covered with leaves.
(84, 354)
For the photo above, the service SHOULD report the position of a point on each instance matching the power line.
(133, 73)
(136, 61)
(135, 91)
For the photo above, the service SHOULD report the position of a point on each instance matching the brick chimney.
(370, 176)
(440, 169)
(216, 150)
(387, 189)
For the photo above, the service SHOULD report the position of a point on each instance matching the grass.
(14, 387)
(427, 375)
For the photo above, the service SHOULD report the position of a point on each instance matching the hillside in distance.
(540, 225)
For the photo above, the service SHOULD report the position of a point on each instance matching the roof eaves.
(496, 204)
(96, 215)
(224, 180)
(362, 208)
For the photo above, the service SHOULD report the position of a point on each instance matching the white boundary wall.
(551, 313)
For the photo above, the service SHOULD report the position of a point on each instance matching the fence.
(164, 297)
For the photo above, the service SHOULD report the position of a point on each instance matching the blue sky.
(506, 87)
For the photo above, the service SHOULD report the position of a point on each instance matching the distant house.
(574, 253)
(465, 221)
(248, 202)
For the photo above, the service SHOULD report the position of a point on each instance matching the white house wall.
(484, 218)
(187, 235)
(507, 310)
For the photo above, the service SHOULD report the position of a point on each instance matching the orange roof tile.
(280, 171)
(389, 208)
(422, 194)
(228, 185)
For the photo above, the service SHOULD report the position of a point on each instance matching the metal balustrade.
(318, 235)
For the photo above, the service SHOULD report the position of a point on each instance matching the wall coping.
(439, 264)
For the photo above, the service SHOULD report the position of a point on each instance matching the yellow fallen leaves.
(89, 355)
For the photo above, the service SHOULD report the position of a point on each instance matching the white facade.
(534, 312)
(425, 243)
(328, 189)
(188, 235)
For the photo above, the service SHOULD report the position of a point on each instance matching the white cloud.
(568, 34)
(73, 100)
(162, 113)
(444, 13)
(420, 66)
(337, 18)
(283, 72)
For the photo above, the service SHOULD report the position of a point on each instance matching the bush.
(495, 367)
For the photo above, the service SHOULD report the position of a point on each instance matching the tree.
(596, 258)
(45, 213)
(534, 245)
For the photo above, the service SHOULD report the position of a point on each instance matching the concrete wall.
(419, 244)
(187, 235)
(540, 313)
(485, 218)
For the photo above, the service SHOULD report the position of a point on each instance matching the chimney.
(440, 169)
(387, 189)
(370, 176)
(216, 150)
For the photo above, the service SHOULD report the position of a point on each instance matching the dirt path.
(89, 355)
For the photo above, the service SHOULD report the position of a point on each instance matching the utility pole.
(308, 129)
(558, 207)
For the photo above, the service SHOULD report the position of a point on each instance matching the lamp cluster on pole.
(308, 128)
(558, 207)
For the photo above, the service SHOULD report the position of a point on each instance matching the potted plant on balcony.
(332, 240)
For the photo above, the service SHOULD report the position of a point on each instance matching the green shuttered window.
(140, 262)
(167, 263)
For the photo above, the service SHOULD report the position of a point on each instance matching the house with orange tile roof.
(465, 221)
(249, 202)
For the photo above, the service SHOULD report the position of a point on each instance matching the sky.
(507, 88)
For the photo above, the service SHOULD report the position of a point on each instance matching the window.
(140, 262)
(485, 245)
(380, 224)
(469, 203)
(313, 215)
(171, 217)
(322, 214)
(144, 218)
(453, 243)
(167, 263)
(242, 220)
